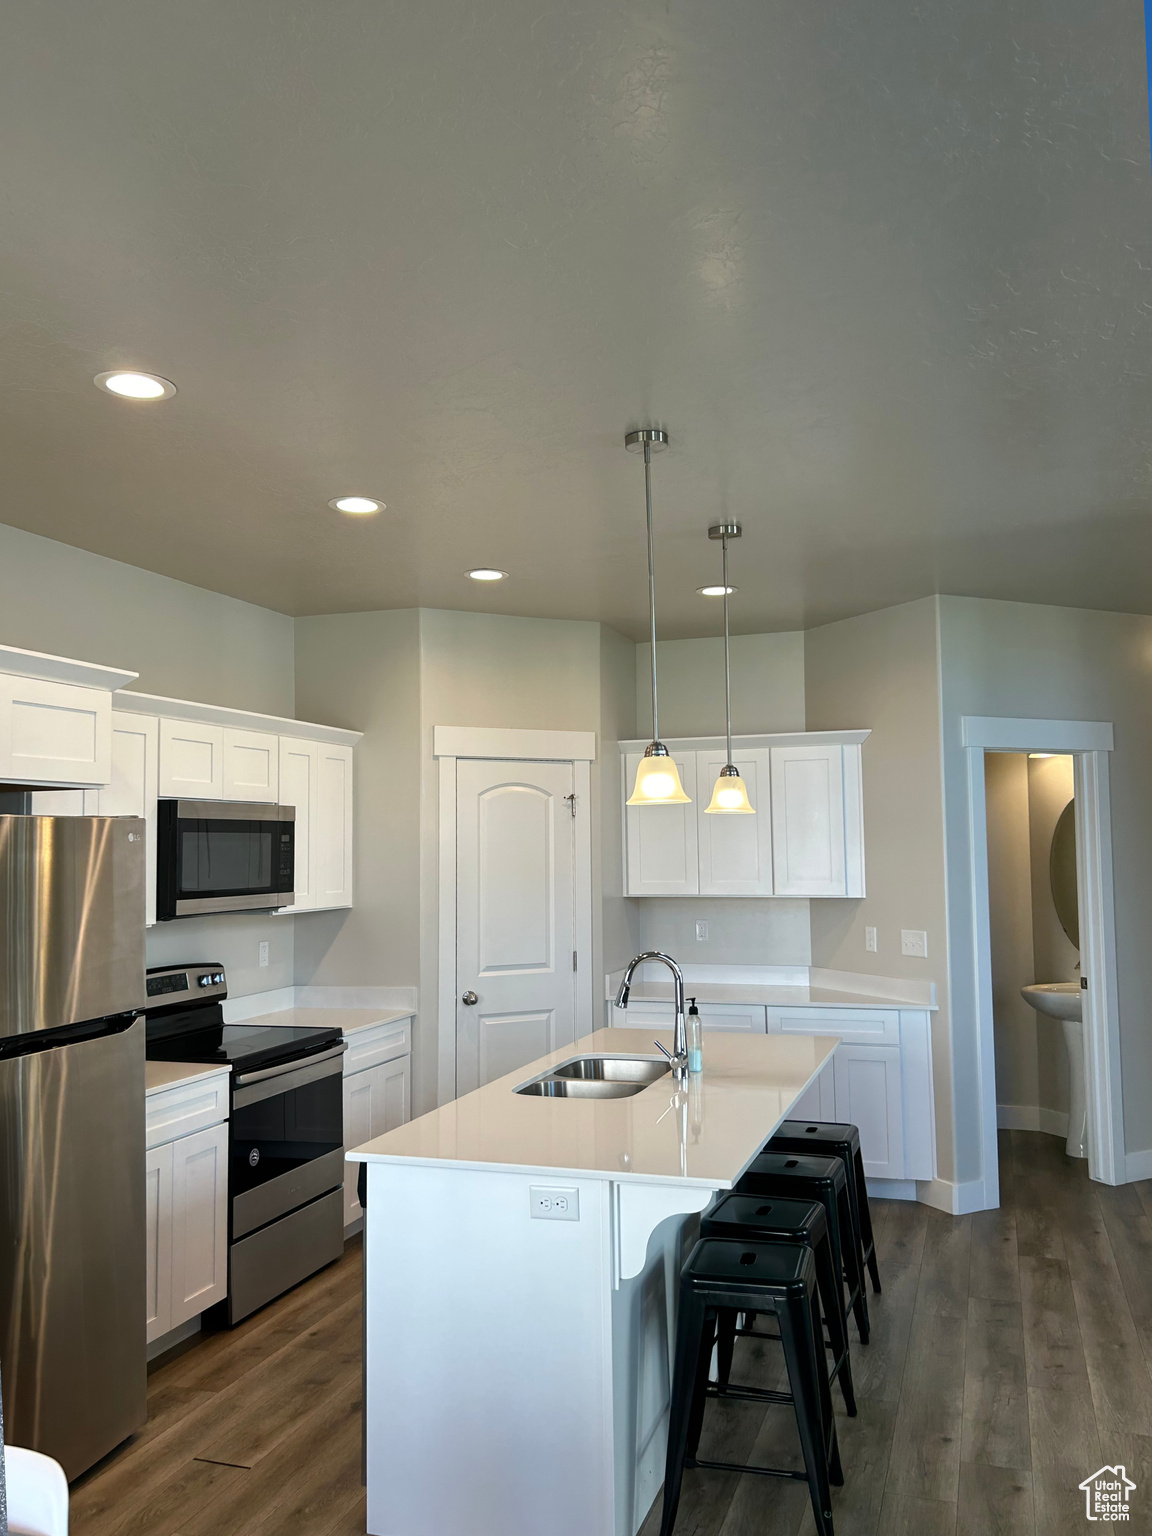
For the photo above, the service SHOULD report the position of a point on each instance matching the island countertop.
(705, 1133)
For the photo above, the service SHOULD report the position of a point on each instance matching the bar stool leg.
(700, 1386)
(801, 1354)
(854, 1267)
(692, 1335)
(725, 1345)
(866, 1224)
(832, 1305)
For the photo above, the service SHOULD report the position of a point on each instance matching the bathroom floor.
(1010, 1358)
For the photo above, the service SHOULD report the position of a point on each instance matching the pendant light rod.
(650, 440)
(724, 532)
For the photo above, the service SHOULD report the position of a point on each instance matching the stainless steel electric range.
(285, 1132)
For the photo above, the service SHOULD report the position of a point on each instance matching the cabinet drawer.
(747, 1017)
(379, 1042)
(856, 1026)
(173, 1112)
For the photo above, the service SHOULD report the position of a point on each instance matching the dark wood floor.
(253, 1432)
(1009, 1359)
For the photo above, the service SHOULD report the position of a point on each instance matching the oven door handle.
(299, 1065)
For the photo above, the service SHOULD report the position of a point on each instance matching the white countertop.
(172, 1074)
(708, 1133)
(770, 996)
(348, 1020)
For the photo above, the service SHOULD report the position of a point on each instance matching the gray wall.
(1019, 659)
(879, 671)
(185, 643)
(1017, 1029)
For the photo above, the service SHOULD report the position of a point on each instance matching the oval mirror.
(1062, 873)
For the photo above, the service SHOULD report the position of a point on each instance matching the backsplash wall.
(741, 931)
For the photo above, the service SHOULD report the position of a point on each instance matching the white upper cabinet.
(132, 786)
(662, 857)
(191, 760)
(316, 778)
(298, 764)
(55, 718)
(735, 851)
(251, 765)
(806, 838)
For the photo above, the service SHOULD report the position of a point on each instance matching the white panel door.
(54, 733)
(375, 1101)
(199, 1222)
(191, 760)
(132, 789)
(808, 821)
(298, 764)
(868, 1095)
(251, 765)
(330, 831)
(662, 857)
(515, 946)
(158, 1226)
(735, 851)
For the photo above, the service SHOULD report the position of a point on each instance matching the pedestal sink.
(1061, 1000)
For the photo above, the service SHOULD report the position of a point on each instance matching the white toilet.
(1061, 1000)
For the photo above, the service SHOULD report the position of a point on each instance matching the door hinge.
(571, 799)
(573, 959)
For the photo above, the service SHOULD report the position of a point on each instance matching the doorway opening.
(1084, 909)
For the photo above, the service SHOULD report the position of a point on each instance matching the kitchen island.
(521, 1260)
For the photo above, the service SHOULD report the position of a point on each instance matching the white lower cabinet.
(376, 1100)
(186, 1183)
(879, 1080)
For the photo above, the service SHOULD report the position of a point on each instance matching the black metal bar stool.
(752, 1277)
(748, 1218)
(822, 1179)
(828, 1138)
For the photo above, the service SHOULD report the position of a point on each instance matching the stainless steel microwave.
(223, 856)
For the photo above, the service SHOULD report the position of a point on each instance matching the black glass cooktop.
(240, 1046)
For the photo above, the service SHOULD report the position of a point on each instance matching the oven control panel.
(167, 984)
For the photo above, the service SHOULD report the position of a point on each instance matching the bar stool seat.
(831, 1138)
(778, 1278)
(749, 1218)
(822, 1179)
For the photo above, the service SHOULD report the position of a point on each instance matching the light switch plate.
(914, 941)
(554, 1202)
(870, 940)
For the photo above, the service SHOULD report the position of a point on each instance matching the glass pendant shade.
(730, 797)
(658, 782)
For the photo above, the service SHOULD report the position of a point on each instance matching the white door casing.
(515, 906)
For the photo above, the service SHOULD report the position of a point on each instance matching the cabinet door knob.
(469, 998)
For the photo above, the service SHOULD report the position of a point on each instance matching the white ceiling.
(884, 272)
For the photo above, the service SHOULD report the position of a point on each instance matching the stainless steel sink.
(613, 1069)
(578, 1088)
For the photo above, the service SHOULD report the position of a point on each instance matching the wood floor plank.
(995, 1429)
(1052, 1344)
(1129, 1229)
(267, 1415)
(1062, 1426)
(1117, 1369)
(995, 1272)
(994, 1501)
(903, 1515)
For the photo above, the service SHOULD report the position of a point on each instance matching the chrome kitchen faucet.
(679, 1053)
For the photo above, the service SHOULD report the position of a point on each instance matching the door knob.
(469, 998)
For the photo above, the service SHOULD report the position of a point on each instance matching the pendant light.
(657, 777)
(730, 797)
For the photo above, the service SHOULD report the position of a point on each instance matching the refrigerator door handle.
(31, 1041)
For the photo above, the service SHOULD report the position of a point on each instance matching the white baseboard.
(237, 1009)
(1032, 1117)
(955, 1199)
(891, 1189)
(1137, 1165)
(168, 1341)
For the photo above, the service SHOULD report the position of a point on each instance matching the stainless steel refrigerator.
(73, 1354)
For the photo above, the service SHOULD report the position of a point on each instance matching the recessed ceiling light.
(135, 386)
(715, 591)
(487, 573)
(357, 505)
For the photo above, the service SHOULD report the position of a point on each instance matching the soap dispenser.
(695, 1039)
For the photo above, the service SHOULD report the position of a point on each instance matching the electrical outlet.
(870, 940)
(263, 951)
(549, 1202)
(914, 941)
(701, 930)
